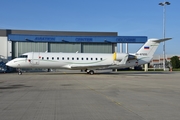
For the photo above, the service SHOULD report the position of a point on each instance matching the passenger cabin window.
(101, 59)
(91, 58)
(77, 58)
(81, 58)
(23, 56)
(68, 58)
(52, 58)
(57, 58)
(86, 58)
(96, 59)
(72, 58)
(47, 58)
(42, 58)
(62, 58)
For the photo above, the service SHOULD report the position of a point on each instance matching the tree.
(175, 62)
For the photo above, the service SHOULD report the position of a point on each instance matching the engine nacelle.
(121, 56)
(132, 57)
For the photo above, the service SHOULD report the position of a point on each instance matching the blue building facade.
(77, 39)
(17, 42)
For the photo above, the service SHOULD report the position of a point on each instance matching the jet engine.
(120, 56)
(132, 57)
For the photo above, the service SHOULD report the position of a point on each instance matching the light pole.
(164, 22)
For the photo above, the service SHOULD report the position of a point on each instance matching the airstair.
(3, 67)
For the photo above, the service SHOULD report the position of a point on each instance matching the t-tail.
(149, 48)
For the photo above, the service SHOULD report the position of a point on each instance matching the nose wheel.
(19, 72)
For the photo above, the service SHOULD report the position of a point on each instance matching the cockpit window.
(23, 56)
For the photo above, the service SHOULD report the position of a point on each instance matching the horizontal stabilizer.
(161, 40)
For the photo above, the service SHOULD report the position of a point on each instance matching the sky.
(127, 17)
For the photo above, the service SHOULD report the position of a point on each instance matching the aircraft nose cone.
(7, 64)
(10, 64)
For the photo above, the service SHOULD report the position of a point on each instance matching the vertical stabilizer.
(150, 47)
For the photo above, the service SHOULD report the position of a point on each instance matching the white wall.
(3, 46)
(9, 50)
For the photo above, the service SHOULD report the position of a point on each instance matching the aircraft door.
(35, 58)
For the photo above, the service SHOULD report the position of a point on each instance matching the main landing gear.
(91, 72)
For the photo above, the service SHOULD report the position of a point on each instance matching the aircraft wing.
(89, 66)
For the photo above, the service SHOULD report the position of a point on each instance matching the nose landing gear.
(19, 72)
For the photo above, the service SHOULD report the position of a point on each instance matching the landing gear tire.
(91, 72)
(19, 72)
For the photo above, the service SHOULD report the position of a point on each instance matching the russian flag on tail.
(146, 47)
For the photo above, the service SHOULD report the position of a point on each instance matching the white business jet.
(86, 61)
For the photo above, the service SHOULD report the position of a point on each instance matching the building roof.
(6, 32)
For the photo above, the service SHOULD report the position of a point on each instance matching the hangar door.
(81, 47)
(64, 47)
(97, 48)
(19, 48)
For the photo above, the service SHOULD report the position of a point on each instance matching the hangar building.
(16, 42)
